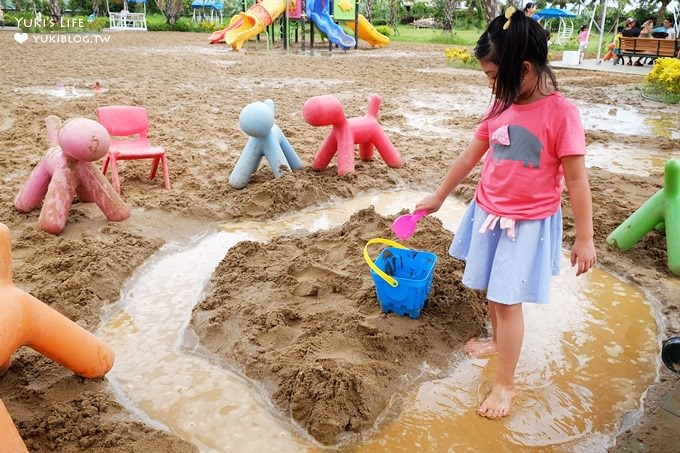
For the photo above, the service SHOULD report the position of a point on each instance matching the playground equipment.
(404, 225)
(126, 121)
(365, 131)
(660, 211)
(266, 139)
(124, 20)
(67, 170)
(368, 33)
(402, 277)
(317, 11)
(565, 28)
(26, 321)
(249, 24)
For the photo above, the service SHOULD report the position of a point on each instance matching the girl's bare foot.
(497, 404)
(476, 347)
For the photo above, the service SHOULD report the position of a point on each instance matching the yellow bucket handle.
(390, 280)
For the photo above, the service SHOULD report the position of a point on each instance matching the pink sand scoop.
(404, 225)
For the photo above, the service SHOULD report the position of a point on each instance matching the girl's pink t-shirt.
(583, 36)
(522, 175)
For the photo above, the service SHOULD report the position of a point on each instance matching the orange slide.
(26, 321)
(244, 26)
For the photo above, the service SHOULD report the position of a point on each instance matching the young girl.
(511, 234)
(582, 42)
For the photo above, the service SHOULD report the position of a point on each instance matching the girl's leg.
(509, 334)
(477, 347)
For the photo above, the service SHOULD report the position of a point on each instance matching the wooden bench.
(648, 47)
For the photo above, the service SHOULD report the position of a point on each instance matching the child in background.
(582, 42)
(615, 48)
(511, 233)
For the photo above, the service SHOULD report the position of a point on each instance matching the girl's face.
(527, 86)
(491, 70)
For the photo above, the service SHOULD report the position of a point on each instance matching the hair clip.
(508, 14)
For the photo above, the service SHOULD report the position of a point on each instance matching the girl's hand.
(583, 255)
(430, 203)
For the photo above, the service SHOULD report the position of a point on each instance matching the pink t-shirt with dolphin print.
(522, 175)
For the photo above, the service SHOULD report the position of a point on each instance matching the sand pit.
(194, 93)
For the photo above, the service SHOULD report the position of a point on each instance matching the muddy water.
(587, 359)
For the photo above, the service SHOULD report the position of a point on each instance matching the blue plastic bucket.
(402, 277)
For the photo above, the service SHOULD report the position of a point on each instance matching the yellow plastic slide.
(253, 22)
(368, 33)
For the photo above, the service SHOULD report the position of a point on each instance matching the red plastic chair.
(128, 121)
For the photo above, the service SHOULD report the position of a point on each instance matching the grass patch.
(659, 94)
(410, 34)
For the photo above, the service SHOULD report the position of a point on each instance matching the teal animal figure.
(661, 211)
(266, 140)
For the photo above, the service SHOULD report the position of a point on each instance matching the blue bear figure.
(266, 139)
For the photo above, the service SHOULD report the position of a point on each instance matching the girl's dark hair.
(524, 40)
(527, 7)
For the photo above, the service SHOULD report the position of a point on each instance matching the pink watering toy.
(365, 131)
(26, 321)
(404, 225)
(67, 170)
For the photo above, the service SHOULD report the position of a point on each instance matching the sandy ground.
(277, 312)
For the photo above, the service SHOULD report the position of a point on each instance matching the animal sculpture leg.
(326, 152)
(366, 151)
(293, 160)
(274, 154)
(246, 165)
(10, 439)
(96, 188)
(386, 149)
(58, 199)
(345, 150)
(62, 340)
(33, 191)
(641, 222)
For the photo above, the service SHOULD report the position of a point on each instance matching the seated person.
(631, 31)
(669, 29)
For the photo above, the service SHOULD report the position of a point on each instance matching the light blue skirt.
(512, 270)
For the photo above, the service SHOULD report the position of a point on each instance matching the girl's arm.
(583, 251)
(461, 167)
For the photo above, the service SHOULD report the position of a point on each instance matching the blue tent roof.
(551, 13)
(215, 4)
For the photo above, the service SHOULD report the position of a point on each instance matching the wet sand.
(194, 93)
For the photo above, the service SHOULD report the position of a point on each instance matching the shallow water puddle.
(64, 92)
(629, 121)
(626, 159)
(587, 358)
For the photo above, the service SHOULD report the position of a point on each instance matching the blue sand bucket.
(402, 277)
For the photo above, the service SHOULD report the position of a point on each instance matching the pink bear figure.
(365, 131)
(67, 170)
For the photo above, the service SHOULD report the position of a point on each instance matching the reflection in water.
(629, 121)
(624, 159)
(587, 358)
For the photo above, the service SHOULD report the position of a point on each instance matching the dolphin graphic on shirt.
(516, 143)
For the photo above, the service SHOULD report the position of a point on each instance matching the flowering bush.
(666, 75)
(458, 54)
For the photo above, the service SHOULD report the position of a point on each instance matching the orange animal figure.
(365, 131)
(26, 321)
(67, 170)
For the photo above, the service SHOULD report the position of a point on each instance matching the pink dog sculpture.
(67, 170)
(365, 131)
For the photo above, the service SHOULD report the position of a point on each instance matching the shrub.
(384, 30)
(459, 56)
(665, 75)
